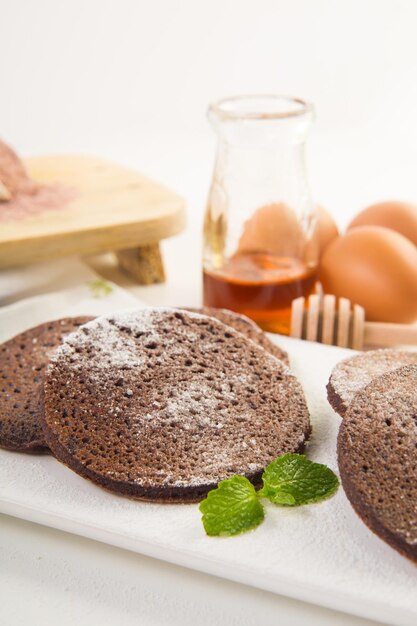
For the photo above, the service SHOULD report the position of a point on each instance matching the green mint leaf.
(293, 479)
(100, 288)
(232, 508)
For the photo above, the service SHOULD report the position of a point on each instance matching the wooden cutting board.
(113, 208)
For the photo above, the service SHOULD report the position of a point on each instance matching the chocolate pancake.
(245, 326)
(22, 363)
(353, 374)
(377, 454)
(162, 404)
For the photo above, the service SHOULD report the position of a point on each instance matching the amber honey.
(261, 286)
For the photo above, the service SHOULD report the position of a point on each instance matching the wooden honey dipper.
(345, 327)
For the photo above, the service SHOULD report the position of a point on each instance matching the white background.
(130, 80)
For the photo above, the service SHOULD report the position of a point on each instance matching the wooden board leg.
(144, 264)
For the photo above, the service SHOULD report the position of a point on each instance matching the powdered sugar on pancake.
(352, 375)
(162, 399)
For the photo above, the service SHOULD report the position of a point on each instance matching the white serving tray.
(320, 553)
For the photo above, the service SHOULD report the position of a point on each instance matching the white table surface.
(50, 577)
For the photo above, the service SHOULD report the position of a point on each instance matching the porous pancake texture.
(247, 327)
(162, 404)
(22, 363)
(377, 454)
(353, 374)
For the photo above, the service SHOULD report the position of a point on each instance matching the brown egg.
(375, 267)
(400, 216)
(326, 227)
(276, 228)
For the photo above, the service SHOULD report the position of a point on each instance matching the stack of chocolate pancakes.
(23, 361)
(162, 404)
(158, 404)
(376, 394)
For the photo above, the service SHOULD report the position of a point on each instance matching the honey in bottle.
(260, 240)
(261, 286)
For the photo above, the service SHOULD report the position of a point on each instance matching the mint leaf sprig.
(293, 480)
(234, 506)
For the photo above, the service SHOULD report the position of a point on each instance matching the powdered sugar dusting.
(184, 400)
(111, 349)
(111, 342)
(352, 375)
(195, 403)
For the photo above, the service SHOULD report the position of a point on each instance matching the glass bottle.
(260, 239)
